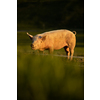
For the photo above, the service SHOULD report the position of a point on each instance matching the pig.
(54, 40)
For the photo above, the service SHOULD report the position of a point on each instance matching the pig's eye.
(40, 37)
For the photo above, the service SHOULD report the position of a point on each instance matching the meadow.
(43, 77)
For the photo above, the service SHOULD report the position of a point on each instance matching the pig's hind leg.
(67, 51)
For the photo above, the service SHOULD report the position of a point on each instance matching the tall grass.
(49, 78)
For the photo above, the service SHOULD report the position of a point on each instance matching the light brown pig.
(54, 40)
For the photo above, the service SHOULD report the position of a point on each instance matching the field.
(43, 77)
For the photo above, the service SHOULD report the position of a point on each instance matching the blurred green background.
(45, 77)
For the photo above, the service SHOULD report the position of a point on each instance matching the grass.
(49, 78)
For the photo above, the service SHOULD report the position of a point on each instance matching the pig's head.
(37, 41)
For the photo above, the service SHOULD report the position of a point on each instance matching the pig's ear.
(30, 36)
(43, 38)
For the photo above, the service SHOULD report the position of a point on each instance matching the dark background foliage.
(43, 14)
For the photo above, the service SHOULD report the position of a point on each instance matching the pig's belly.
(59, 46)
